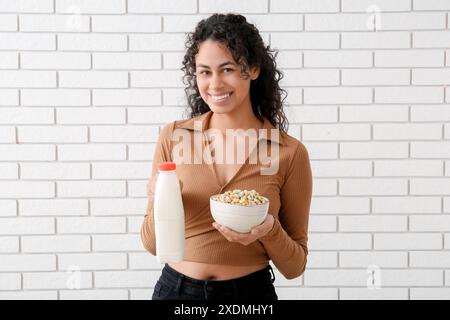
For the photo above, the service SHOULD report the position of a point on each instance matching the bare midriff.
(208, 271)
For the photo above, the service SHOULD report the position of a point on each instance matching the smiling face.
(219, 79)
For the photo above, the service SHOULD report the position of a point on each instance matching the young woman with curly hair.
(232, 84)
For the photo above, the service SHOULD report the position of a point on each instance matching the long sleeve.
(161, 154)
(286, 243)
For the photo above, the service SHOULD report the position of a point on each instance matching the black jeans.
(173, 285)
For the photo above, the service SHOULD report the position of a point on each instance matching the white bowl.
(238, 217)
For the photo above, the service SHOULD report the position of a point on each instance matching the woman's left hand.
(247, 238)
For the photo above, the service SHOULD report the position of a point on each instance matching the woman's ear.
(254, 73)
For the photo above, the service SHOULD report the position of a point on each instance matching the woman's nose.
(216, 81)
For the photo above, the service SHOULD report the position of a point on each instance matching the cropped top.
(286, 182)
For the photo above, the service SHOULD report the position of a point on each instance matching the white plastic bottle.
(168, 213)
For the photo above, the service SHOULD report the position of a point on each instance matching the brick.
(27, 41)
(96, 294)
(413, 94)
(7, 135)
(382, 5)
(92, 42)
(431, 76)
(315, 40)
(342, 169)
(373, 293)
(249, 6)
(429, 223)
(430, 150)
(90, 6)
(409, 168)
(430, 39)
(56, 243)
(430, 186)
(57, 280)
(310, 77)
(164, 78)
(370, 186)
(58, 97)
(372, 223)
(93, 79)
(21, 226)
(122, 133)
(337, 95)
(382, 259)
(341, 278)
(91, 189)
(318, 132)
(91, 116)
(406, 205)
(310, 293)
(411, 21)
(29, 295)
(382, 40)
(26, 6)
(407, 131)
(117, 170)
(27, 189)
(55, 171)
(429, 259)
(8, 22)
(373, 150)
(53, 207)
(431, 5)
(8, 97)
(8, 208)
(336, 241)
(108, 243)
(126, 60)
(54, 23)
(429, 293)
(91, 225)
(9, 244)
(143, 261)
(162, 6)
(128, 23)
(407, 241)
(304, 6)
(80, 152)
(338, 59)
(100, 207)
(30, 79)
(28, 262)
(10, 281)
(409, 58)
(322, 224)
(374, 77)
(411, 278)
(127, 97)
(9, 171)
(373, 113)
(27, 152)
(55, 61)
(93, 261)
(157, 42)
(338, 22)
(30, 134)
(153, 115)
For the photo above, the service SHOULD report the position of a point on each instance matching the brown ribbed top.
(289, 191)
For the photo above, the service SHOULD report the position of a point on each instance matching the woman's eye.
(228, 69)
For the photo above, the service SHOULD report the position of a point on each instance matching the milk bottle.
(168, 215)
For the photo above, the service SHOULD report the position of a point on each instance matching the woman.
(232, 85)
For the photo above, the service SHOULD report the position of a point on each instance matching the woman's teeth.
(218, 98)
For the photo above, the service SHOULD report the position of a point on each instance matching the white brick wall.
(86, 84)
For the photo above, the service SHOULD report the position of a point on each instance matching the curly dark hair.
(248, 50)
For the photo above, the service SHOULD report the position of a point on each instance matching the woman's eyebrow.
(223, 64)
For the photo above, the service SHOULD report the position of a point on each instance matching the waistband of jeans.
(173, 276)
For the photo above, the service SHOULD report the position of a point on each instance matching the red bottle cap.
(167, 166)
